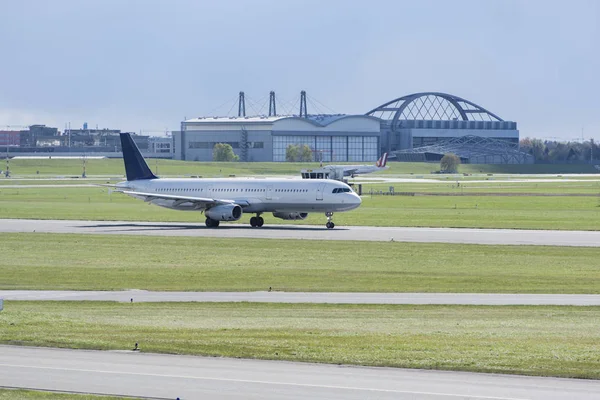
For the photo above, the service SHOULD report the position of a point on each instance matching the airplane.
(353, 170)
(226, 199)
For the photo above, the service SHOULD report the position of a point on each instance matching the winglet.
(135, 165)
(382, 161)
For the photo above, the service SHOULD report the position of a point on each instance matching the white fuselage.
(356, 169)
(255, 195)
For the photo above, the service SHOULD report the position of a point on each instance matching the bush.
(224, 152)
(449, 163)
(298, 153)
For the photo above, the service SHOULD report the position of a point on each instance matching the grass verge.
(74, 167)
(112, 262)
(469, 211)
(17, 394)
(537, 340)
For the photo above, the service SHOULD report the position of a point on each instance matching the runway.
(346, 233)
(142, 296)
(188, 377)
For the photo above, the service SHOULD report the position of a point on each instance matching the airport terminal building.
(399, 126)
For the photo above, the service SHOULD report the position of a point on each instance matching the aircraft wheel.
(259, 221)
(330, 225)
(253, 222)
(211, 223)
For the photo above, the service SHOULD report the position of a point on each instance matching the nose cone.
(355, 200)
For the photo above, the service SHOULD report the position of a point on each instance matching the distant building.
(10, 138)
(43, 139)
(424, 119)
(160, 145)
(108, 138)
(38, 136)
(330, 137)
(102, 139)
(411, 121)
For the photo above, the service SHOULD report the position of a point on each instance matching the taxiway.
(159, 376)
(308, 232)
(142, 296)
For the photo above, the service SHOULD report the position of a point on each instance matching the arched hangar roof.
(431, 106)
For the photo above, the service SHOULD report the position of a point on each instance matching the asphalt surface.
(141, 296)
(167, 377)
(361, 233)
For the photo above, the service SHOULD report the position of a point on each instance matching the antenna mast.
(272, 108)
(242, 105)
(303, 111)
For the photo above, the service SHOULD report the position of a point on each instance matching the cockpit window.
(341, 190)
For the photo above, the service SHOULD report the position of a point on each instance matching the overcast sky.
(146, 64)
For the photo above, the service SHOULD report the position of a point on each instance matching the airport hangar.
(402, 127)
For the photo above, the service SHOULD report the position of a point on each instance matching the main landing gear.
(257, 222)
(329, 224)
(211, 223)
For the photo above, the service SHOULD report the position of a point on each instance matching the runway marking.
(265, 382)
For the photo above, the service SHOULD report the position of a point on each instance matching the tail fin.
(135, 165)
(382, 161)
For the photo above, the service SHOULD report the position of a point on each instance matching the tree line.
(541, 150)
(560, 152)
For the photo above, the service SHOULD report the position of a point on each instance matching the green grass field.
(506, 187)
(473, 211)
(554, 341)
(10, 394)
(557, 341)
(110, 262)
(114, 167)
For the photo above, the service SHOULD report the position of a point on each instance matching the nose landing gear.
(329, 224)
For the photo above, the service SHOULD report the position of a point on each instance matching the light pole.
(7, 172)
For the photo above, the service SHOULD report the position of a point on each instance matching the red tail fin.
(382, 161)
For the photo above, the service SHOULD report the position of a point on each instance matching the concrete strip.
(347, 233)
(168, 376)
(139, 296)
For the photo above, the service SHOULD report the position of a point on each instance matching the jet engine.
(225, 212)
(292, 215)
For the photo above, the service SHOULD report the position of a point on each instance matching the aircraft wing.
(350, 171)
(201, 202)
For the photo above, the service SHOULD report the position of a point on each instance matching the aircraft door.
(320, 189)
(269, 192)
(209, 191)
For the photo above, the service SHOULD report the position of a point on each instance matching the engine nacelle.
(225, 212)
(290, 215)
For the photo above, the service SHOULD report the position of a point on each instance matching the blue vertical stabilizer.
(135, 165)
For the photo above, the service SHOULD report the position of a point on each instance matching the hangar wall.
(411, 121)
(332, 137)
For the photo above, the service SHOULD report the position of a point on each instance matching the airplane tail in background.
(135, 165)
(382, 161)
